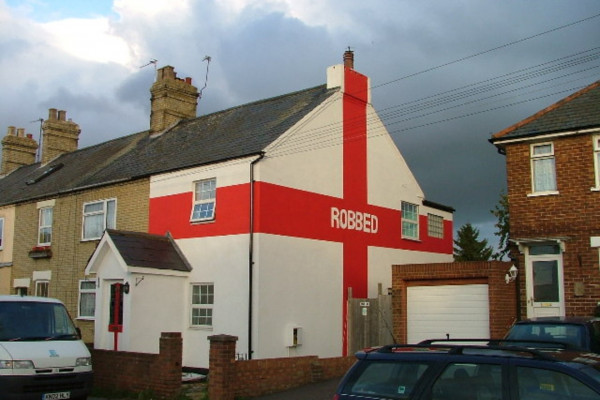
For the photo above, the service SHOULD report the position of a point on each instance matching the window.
(97, 217)
(202, 304)
(42, 288)
(465, 381)
(21, 291)
(435, 226)
(1, 233)
(543, 169)
(537, 383)
(597, 160)
(45, 226)
(87, 299)
(204, 200)
(410, 220)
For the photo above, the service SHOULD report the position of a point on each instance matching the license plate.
(57, 396)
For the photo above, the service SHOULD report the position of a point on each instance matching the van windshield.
(29, 321)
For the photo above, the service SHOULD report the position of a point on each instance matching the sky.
(445, 75)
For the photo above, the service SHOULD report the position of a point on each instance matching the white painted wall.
(298, 283)
(221, 260)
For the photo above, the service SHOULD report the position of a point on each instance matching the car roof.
(558, 320)
(453, 347)
(14, 298)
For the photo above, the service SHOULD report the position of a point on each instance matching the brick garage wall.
(572, 215)
(229, 378)
(138, 372)
(502, 296)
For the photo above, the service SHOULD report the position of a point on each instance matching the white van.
(42, 356)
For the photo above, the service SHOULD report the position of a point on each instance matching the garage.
(460, 311)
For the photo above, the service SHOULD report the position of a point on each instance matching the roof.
(577, 112)
(233, 133)
(149, 251)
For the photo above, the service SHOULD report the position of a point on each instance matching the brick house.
(553, 174)
(271, 212)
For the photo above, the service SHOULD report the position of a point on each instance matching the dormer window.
(543, 168)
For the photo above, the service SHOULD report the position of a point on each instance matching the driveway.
(314, 391)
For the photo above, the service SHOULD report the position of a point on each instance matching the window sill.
(595, 189)
(85, 318)
(202, 221)
(201, 328)
(540, 194)
(412, 239)
(40, 253)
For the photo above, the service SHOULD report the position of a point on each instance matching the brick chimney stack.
(18, 150)
(59, 135)
(172, 99)
(349, 59)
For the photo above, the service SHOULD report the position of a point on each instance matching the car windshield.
(389, 379)
(569, 334)
(28, 321)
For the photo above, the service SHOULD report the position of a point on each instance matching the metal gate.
(369, 322)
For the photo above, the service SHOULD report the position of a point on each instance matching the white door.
(455, 311)
(545, 288)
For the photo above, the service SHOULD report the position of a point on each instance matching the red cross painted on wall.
(286, 211)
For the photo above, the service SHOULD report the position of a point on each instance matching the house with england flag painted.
(262, 220)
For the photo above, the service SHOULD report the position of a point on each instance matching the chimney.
(172, 99)
(60, 135)
(349, 59)
(18, 150)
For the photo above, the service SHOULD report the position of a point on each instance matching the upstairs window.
(543, 168)
(410, 220)
(204, 200)
(45, 226)
(203, 298)
(1, 233)
(435, 226)
(97, 217)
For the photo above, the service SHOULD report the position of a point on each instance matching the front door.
(545, 287)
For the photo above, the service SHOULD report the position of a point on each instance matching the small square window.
(435, 226)
(42, 288)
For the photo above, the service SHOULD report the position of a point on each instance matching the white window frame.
(1, 233)
(435, 226)
(108, 221)
(204, 197)
(596, 139)
(84, 292)
(536, 159)
(42, 288)
(43, 226)
(410, 221)
(205, 302)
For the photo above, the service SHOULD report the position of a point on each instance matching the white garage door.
(461, 311)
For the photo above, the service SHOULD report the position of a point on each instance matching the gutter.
(251, 253)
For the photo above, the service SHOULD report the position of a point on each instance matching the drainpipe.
(251, 253)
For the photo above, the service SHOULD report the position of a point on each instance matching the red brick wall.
(138, 372)
(229, 379)
(502, 296)
(573, 215)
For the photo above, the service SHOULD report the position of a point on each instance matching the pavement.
(313, 391)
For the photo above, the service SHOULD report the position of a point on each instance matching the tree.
(468, 247)
(500, 211)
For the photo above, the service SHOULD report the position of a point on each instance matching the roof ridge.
(546, 110)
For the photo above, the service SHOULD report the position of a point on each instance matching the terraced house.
(257, 221)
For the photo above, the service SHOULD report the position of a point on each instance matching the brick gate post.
(221, 367)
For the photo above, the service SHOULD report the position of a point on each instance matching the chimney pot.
(349, 59)
(62, 115)
(12, 131)
(52, 114)
(188, 80)
(21, 132)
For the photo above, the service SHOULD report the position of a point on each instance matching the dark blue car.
(454, 371)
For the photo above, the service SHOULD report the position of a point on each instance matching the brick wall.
(229, 378)
(572, 214)
(502, 296)
(69, 254)
(138, 372)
